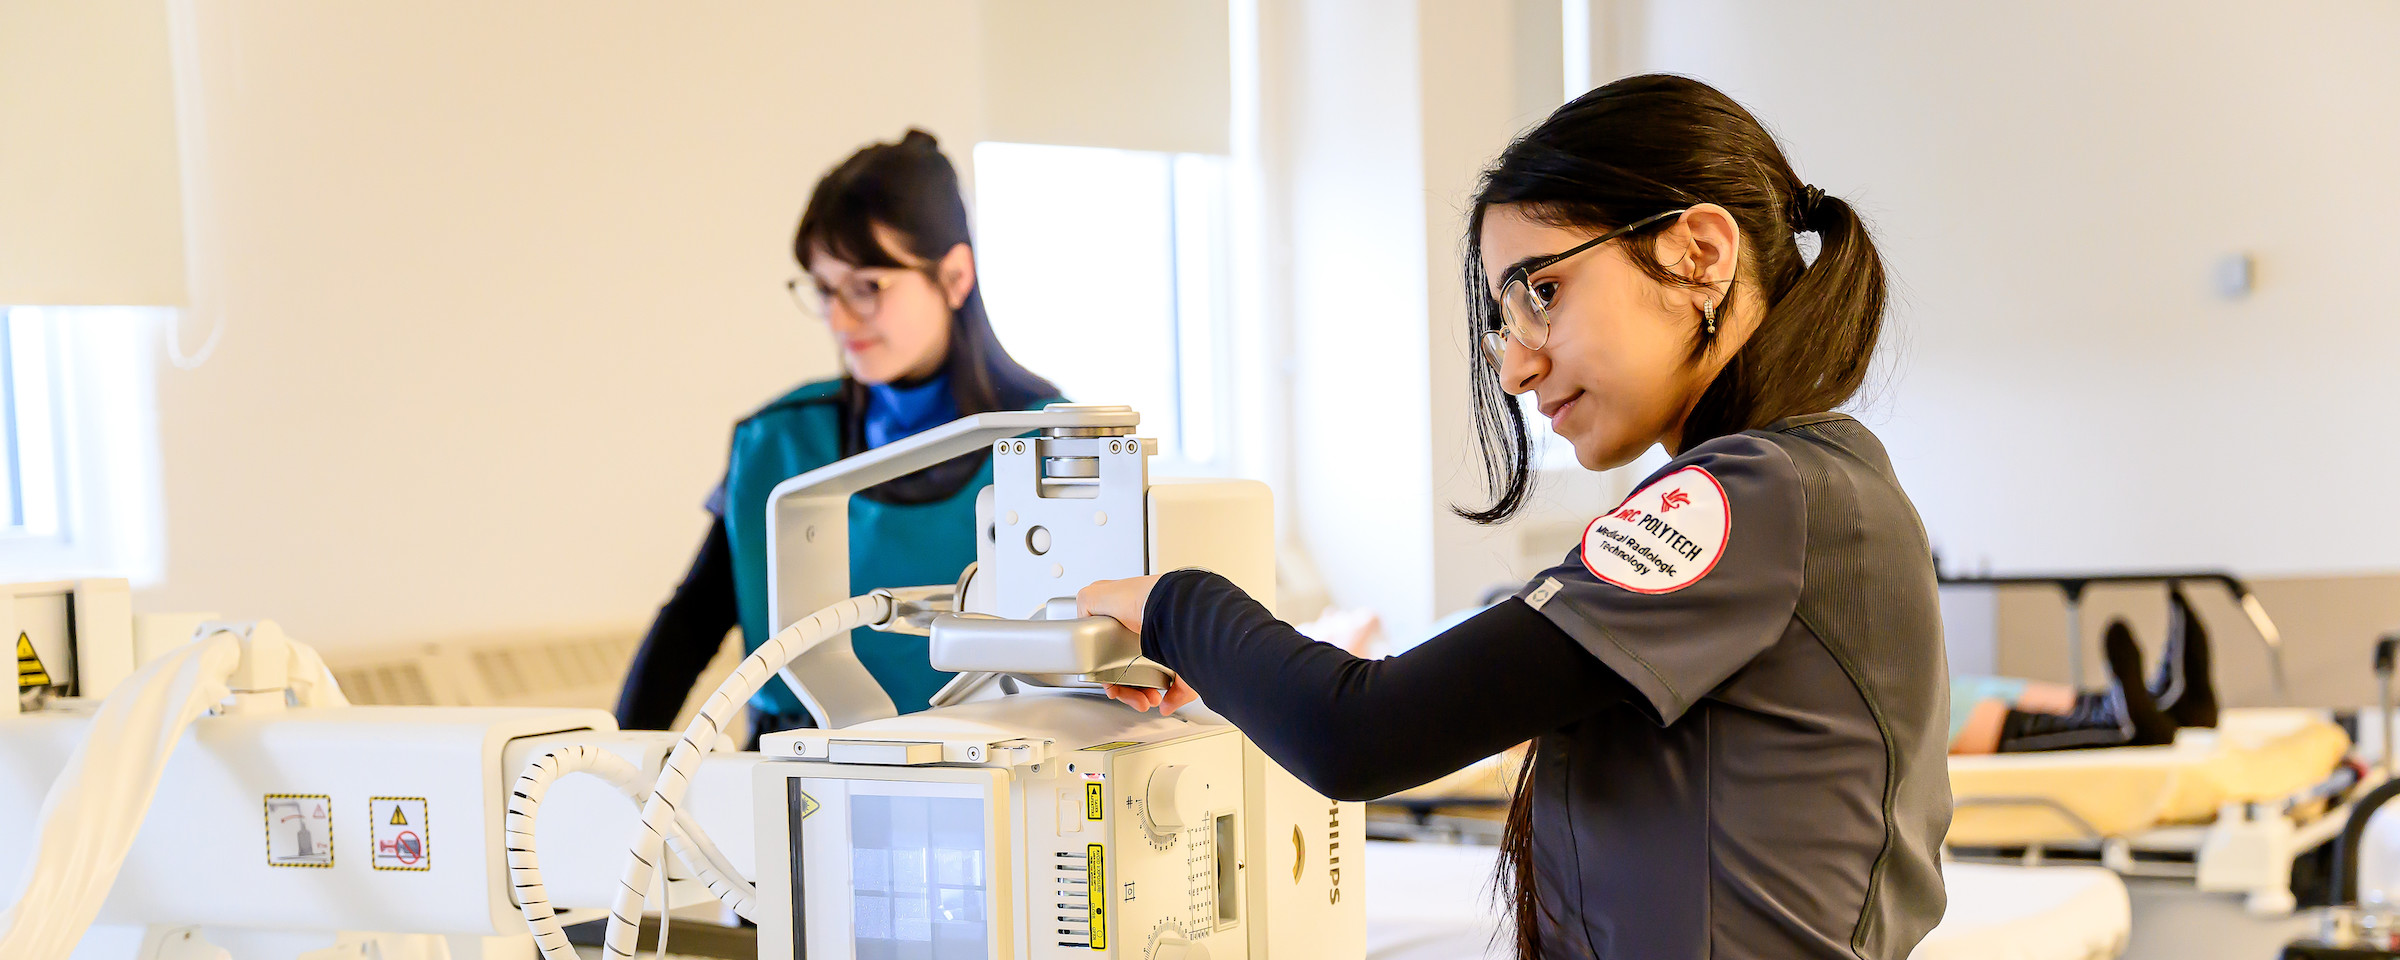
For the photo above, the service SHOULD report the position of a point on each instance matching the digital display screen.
(892, 870)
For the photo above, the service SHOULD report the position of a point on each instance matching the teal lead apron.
(891, 545)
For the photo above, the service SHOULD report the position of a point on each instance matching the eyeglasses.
(1525, 314)
(863, 294)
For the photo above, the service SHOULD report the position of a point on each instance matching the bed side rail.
(2073, 586)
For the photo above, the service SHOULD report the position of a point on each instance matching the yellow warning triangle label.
(398, 819)
(808, 806)
(29, 664)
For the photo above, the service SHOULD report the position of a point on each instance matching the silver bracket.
(808, 543)
(1066, 511)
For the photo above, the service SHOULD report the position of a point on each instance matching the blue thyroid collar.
(895, 412)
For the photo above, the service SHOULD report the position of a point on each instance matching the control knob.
(1176, 797)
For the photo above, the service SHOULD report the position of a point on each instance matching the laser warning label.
(1096, 875)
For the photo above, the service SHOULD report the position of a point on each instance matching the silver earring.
(1708, 316)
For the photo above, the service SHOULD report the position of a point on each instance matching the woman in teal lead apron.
(888, 265)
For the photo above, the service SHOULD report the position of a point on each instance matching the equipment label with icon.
(403, 838)
(1095, 874)
(299, 830)
(29, 664)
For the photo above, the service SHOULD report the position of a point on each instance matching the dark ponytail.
(1647, 144)
(1625, 151)
(910, 188)
(1812, 351)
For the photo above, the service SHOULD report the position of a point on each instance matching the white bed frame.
(2249, 850)
(2251, 847)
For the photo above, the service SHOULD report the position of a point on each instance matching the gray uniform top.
(1779, 788)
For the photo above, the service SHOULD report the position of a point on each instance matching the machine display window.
(893, 870)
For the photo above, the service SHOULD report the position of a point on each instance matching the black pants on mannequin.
(2135, 710)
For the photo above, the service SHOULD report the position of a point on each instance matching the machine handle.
(970, 643)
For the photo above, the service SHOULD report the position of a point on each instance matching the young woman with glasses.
(1734, 684)
(888, 266)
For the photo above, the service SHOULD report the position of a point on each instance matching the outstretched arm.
(1359, 729)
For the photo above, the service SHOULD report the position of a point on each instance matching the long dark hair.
(1648, 144)
(910, 188)
(1627, 150)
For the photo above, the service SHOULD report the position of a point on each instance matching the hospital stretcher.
(2229, 808)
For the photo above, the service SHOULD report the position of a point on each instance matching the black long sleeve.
(1357, 729)
(686, 635)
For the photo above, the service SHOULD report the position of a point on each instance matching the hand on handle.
(1125, 600)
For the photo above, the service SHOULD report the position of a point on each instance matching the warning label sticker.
(1095, 804)
(1112, 745)
(1095, 874)
(403, 838)
(299, 830)
(808, 805)
(29, 664)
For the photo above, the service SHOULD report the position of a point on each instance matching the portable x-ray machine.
(1049, 817)
(1022, 816)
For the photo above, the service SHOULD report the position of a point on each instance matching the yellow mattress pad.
(2254, 755)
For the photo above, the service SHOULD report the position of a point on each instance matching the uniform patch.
(1664, 538)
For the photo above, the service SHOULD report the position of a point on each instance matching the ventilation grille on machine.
(393, 683)
(515, 672)
(582, 671)
(1074, 900)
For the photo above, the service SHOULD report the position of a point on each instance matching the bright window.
(79, 490)
(1105, 270)
(28, 426)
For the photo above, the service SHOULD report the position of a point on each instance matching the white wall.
(1377, 120)
(497, 279)
(2052, 182)
(504, 275)
(1490, 72)
(1358, 293)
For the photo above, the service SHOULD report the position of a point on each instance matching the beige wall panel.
(498, 278)
(90, 210)
(1152, 75)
